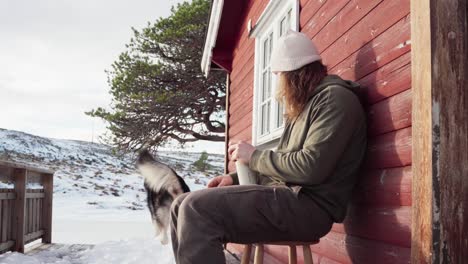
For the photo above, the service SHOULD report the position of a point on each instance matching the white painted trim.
(269, 22)
(212, 34)
(270, 14)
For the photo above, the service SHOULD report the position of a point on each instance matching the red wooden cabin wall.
(367, 41)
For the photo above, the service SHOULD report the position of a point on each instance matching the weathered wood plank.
(312, 21)
(34, 213)
(11, 220)
(18, 165)
(340, 248)
(440, 80)
(391, 114)
(245, 124)
(390, 150)
(325, 260)
(6, 246)
(47, 216)
(30, 216)
(352, 13)
(372, 25)
(422, 145)
(241, 113)
(389, 80)
(7, 196)
(384, 187)
(226, 127)
(10, 214)
(245, 135)
(386, 47)
(5, 216)
(38, 214)
(34, 195)
(309, 11)
(238, 106)
(350, 249)
(33, 236)
(240, 110)
(3, 231)
(374, 223)
(6, 174)
(20, 176)
(243, 57)
(246, 69)
(243, 60)
(243, 81)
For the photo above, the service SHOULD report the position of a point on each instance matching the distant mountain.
(92, 173)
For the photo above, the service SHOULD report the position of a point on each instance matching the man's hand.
(219, 181)
(241, 151)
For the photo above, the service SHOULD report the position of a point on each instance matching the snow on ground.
(141, 251)
(99, 198)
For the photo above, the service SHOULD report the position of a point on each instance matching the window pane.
(265, 119)
(268, 114)
(270, 46)
(268, 91)
(285, 23)
(283, 26)
(265, 53)
(265, 80)
(279, 115)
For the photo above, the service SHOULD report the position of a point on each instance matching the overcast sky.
(53, 54)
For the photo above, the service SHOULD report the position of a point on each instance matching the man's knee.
(177, 202)
(201, 203)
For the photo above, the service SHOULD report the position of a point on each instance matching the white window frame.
(269, 22)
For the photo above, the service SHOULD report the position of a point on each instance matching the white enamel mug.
(246, 176)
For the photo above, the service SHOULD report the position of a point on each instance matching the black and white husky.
(162, 186)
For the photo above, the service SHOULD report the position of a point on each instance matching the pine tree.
(158, 90)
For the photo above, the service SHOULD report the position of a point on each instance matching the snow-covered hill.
(89, 175)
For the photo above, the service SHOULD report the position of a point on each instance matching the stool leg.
(258, 254)
(246, 255)
(292, 255)
(307, 255)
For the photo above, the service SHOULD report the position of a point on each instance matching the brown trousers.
(201, 221)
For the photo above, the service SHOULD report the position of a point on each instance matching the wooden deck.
(73, 251)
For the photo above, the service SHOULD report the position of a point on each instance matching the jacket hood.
(336, 80)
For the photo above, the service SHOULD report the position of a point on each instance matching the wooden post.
(226, 133)
(48, 183)
(439, 36)
(20, 177)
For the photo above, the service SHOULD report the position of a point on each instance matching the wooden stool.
(258, 258)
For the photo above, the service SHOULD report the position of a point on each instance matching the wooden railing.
(25, 213)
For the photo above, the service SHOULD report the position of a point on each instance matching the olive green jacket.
(320, 152)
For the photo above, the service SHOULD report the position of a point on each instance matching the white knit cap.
(292, 51)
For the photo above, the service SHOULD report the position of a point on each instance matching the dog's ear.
(144, 156)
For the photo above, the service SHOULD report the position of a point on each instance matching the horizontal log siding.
(373, 40)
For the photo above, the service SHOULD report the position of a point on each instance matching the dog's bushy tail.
(144, 156)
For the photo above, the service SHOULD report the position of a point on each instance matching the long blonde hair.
(295, 87)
